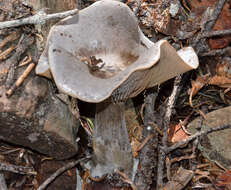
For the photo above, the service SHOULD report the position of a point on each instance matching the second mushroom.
(101, 56)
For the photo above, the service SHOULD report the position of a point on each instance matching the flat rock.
(217, 145)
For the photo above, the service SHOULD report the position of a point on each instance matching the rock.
(215, 146)
(33, 117)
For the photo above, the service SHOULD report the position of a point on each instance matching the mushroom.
(101, 56)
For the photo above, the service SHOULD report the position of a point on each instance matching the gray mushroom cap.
(130, 63)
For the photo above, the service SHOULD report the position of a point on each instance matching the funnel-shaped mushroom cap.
(102, 52)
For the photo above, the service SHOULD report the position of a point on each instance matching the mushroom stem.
(112, 149)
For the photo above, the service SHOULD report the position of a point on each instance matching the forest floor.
(184, 109)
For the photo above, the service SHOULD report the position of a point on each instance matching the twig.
(198, 134)
(156, 127)
(96, 179)
(187, 157)
(193, 162)
(11, 151)
(40, 37)
(40, 18)
(60, 171)
(144, 142)
(6, 53)
(139, 2)
(20, 79)
(217, 52)
(216, 12)
(25, 61)
(215, 33)
(13, 60)
(13, 36)
(126, 179)
(147, 158)
(2, 182)
(198, 42)
(17, 169)
(166, 121)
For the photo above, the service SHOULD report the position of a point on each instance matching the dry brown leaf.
(177, 133)
(223, 22)
(224, 180)
(198, 84)
(220, 81)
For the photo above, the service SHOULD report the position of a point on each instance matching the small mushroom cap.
(101, 52)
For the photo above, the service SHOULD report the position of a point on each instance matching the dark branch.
(198, 134)
(60, 171)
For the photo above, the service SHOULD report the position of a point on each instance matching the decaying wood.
(166, 122)
(147, 155)
(17, 169)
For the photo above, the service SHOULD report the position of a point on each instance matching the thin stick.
(22, 46)
(17, 169)
(60, 171)
(25, 61)
(40, 18)
(217, 52)
(198, 134)
(215, 33)
(144, 142)
(126, 179)
(13, 36)
(147, 156)
(216, 12)
(6, 53)
(156, 127)
(166, 121)
(208, 26)
(20, 79)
